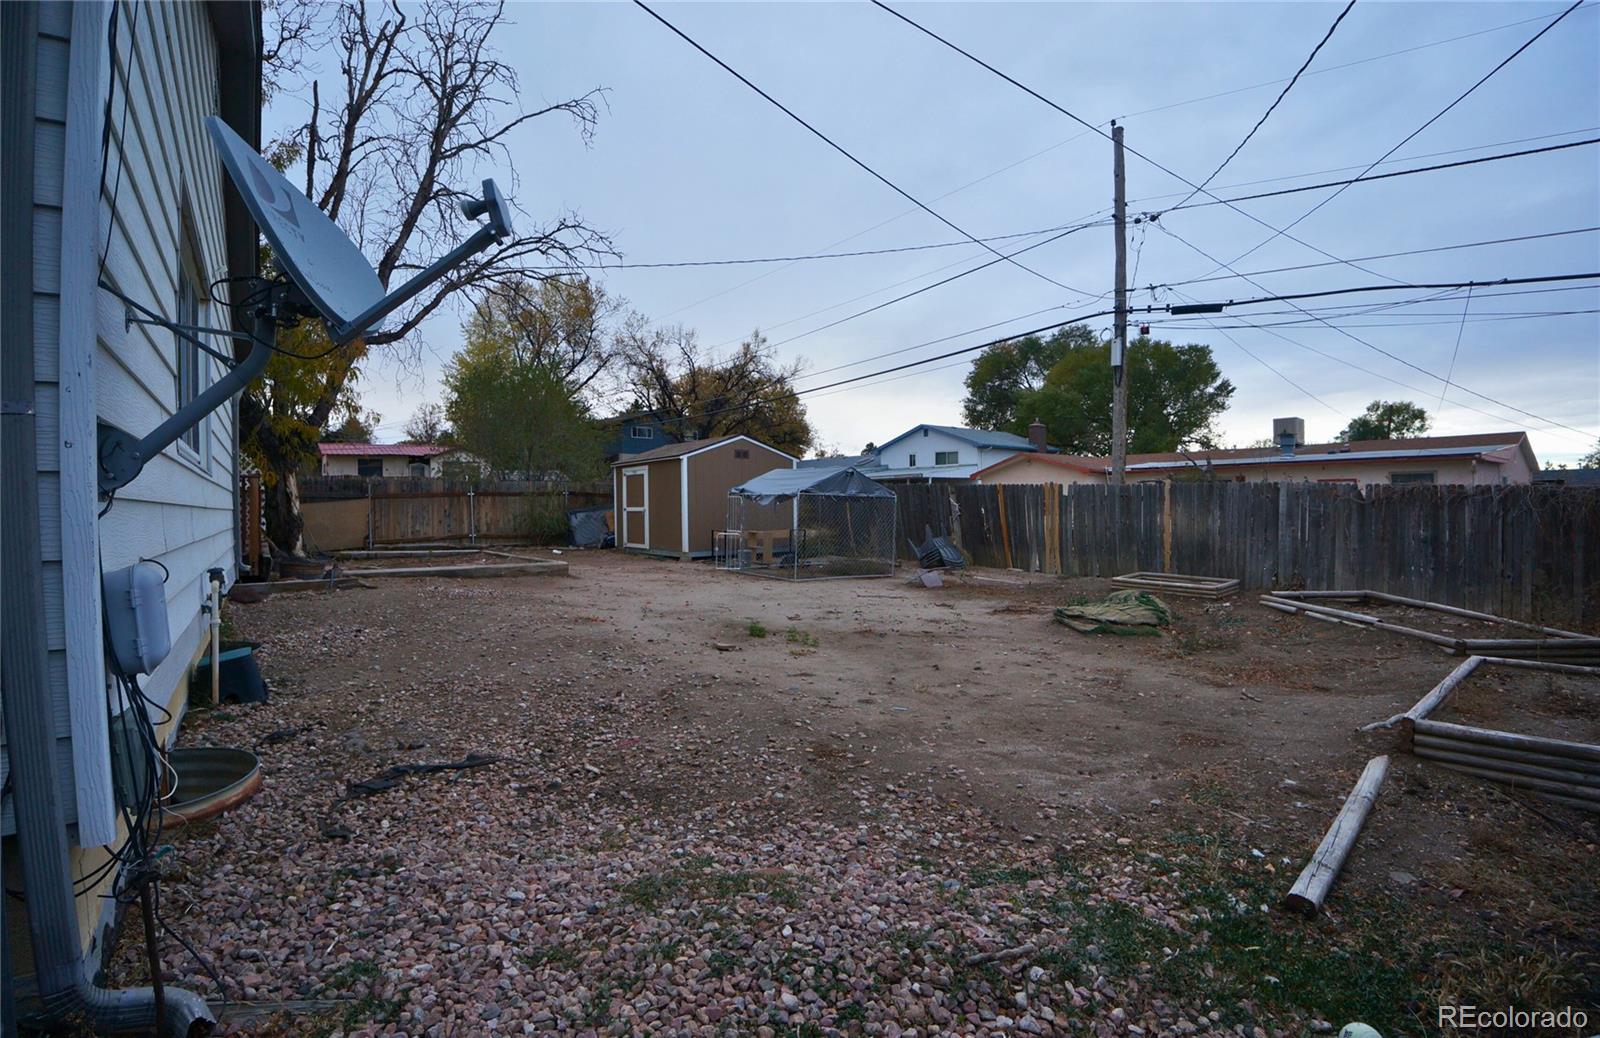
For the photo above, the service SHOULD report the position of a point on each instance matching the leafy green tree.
(511, 403)
(1175, 393)
(1387, 420)
(1003, 374)
(1592, 459)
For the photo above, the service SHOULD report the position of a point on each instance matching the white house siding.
(895, 457)
(179, 511)
(393, 465)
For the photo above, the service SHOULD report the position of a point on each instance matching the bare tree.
(697, 396)
(418, 106)
(427, 425)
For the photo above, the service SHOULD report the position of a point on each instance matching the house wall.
(1464, 471)
(715, 472)
(1031, 470)
(393, 465)
(925, 445)
(162, 177)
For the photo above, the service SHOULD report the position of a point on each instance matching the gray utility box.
(136, 617)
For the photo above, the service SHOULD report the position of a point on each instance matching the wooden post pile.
(1178, 584)
(1566, 772)
(1556, 646)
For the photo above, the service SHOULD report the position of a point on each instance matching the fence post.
(472, 515)
(371, 543)
(1166, 526)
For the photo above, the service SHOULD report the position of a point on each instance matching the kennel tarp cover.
(783, 484)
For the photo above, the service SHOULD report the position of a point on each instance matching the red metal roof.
(379, 450)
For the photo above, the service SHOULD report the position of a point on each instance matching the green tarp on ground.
(1121, 612)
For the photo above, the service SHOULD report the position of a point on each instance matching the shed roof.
(678, 450)
(782, 484)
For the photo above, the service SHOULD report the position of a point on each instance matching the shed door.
(635, 520)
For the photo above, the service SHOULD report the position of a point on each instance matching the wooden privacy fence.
(1527, 552)
(352, 512)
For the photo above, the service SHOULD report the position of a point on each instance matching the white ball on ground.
(1358, 1031)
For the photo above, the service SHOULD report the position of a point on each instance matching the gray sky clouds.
(689, 164)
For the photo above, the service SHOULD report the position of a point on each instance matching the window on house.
(741, 452)
(1398, 478)
(187, 368)
(418, 468)
(912, 463)
(947, 457)
(369, 467)
(641, 432)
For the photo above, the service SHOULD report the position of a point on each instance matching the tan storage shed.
(672, 500)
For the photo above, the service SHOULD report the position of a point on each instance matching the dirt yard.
(723, 804)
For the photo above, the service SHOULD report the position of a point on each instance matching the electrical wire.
(846, 153)
(1248, 353)
(1283, 231)
(1451, 370)
(1275, 102)
(1393, 356)
(1095, 129)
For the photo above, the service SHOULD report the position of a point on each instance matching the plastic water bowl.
(211, 780)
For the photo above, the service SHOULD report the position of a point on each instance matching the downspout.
(67, 991)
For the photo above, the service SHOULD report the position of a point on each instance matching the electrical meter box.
(136, 617)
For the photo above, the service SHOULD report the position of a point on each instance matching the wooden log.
(1565, 789)
(1488, 753)
(1573, 802)
(1510, 740)
(1311, 889)
(1589, 780)
(1439, 607)
(494, 569)
(402, 553)
(1553, 645)
(1559, 668)
(1347, 596)
(1435, 697)
(1363, 620)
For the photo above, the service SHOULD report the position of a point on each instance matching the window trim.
(954, 456)
(641, 432)
(189, 361)
(911, 461)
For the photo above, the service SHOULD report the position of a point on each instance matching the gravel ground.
(631, 863)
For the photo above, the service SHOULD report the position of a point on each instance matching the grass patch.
(796, 636)
(697, 880)
(553, 956)
(1001, 875)
(756, 629)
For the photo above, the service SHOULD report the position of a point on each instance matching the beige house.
(1480, 459)
(386, 460)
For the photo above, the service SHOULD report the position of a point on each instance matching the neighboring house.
(854, 461)
(163, 228)
(672, 500)
(1569, 477)
(634, 433)
(1473, 460)
(947, 452)
(388, 459)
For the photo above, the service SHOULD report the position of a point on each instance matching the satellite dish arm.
(123, 456)
(481, 239)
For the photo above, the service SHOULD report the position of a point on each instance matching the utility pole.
(1119, 348)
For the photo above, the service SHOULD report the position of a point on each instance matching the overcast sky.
(689, 164)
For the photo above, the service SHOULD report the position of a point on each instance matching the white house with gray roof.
(949, 452)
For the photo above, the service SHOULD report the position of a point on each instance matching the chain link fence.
(809, 537)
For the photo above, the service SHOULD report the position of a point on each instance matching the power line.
(1395, 357)
(1276, 101)
(1413, 134)
(1385, 255)
(930, 287)
(1364, 179)
(1242, 348)
(1162, 108)
(845, 152)
(1087, 125)
(1451, 370)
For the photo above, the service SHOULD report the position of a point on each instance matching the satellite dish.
(319, 258)
(308, 246)
(327, 274)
